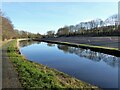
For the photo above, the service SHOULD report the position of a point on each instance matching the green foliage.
(33, 75)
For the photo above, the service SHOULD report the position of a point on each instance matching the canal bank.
(36, 75)
(102, 49)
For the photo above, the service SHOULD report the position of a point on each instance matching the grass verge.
(33, 75)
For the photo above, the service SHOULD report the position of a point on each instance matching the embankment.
(108, 45)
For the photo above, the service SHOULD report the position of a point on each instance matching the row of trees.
(92, 28)
(7, 30)
(97, 31)
(25, 34)
(113, 30)
(96, 27)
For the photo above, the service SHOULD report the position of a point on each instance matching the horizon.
(40, 17)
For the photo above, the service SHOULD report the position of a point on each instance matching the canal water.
(93, 67)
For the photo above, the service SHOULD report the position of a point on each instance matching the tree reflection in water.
(91, 55)
(87, 53)
(27, 43)
(50, 44)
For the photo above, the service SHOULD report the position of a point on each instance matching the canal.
(93, 67)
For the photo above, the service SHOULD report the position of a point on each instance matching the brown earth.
(112, 42)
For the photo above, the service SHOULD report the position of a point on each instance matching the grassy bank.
(38, 76)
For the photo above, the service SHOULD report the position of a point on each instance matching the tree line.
(7, 30)
(90, 28)
(113, 30)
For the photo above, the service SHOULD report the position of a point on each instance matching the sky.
(40, 17)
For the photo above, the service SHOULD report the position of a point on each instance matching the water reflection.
(86, 53)
(27, 43)
(50, 44)
(92, 67)
(65, 48)
(91, 55)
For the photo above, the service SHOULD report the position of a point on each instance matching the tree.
(63, 31)
(7, 28)
(38, 35)
(50, 33)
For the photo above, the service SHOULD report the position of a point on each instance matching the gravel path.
(9, 74)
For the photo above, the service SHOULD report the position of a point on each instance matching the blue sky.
(43, 16)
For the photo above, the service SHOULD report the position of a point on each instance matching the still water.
(92, 67)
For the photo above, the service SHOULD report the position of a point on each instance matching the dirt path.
(0, 68)
(9, 74)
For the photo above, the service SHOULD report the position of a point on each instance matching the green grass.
(34, 75)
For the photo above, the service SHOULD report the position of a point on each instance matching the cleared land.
(112, 42)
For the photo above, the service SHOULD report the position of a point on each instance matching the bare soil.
(112, 42)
